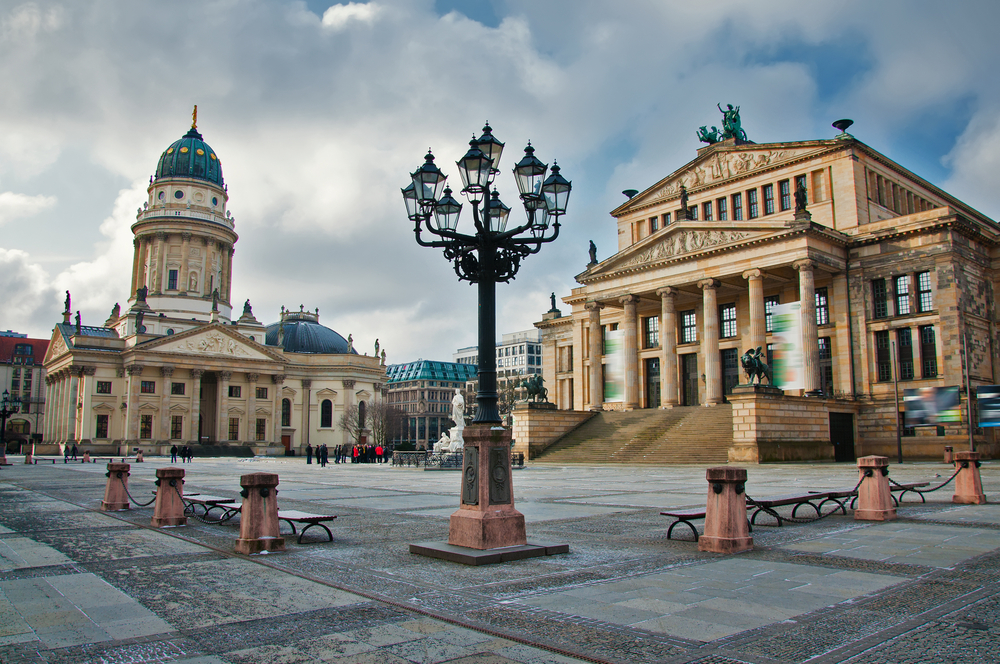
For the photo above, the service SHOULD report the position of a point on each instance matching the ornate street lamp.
(8, 406)
(494, 252)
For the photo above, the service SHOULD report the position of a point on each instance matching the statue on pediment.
(593, 253)
(67, 302)
(247, 309)
(706, 136)
(732, 126)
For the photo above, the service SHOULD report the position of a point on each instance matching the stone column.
(47, 416)
(86, 429)
(72, 399)
(631, 352)
(184, 282)
(57, 406)
(222, 408)
(132, 402)
(161, 258)
(668, 344)
(277, 380)
(758, 332)
(167, 372)
(596, 355)
(136, 242)
(810, 336)
(193, 433)
(306, 402)
(710, 342)
(206, 268)
(252, 406)
(227, 271)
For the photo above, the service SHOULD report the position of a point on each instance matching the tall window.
(651, 331)
(706, 210)
(727, 314)
(104, 387)
(752, 212)
(234, 428)
(785, 194)
(767, 193)
(720, 208)
(902, 288)
(362, 407)
(176, 427)
(928, 352)
(260, 393)
(689, 327)
(145, 427)
(737, 207)
(326, 414)
(825, 366)
(147, 387)
(102, 426)
(286, 412)
(177, 388)
(770, 302)
(653, 224)
(694, 211)
(822, 307)
(880, 304)
(261, 428)
(666, 219)
(235, 391)
(172, 280)
(883, 359)
(904, 341)
(925, 299)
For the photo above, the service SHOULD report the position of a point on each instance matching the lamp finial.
(194, 117)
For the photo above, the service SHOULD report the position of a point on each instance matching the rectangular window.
(235, 391)
(651, 331)
(824, 348)
(767, 193)
(234, 428)
(822, 307)
(785, 195)
(720, 208)
(689, 327)
(666, 219)
(172, 280)
(737, 207)
(146, 427)
(147, 387)
(102, 426)
(104, 387)
(904, 342)
(261, 428)
(928, 352)
(925, 299)
(880, 302)
(260, 393)
(727, 314)
(883, 359)
(176, 427)
(706, 210)
(654, 224)
(177, 388)
(693, 210)
(752, 212)
(770, 302)
(902, 288)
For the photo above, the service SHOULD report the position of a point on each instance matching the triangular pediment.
(57, 346)
(213, 341)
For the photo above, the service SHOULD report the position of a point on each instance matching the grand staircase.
(693, 434)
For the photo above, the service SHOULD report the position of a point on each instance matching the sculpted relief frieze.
(684, 243)
(213, 343)
(720, 167)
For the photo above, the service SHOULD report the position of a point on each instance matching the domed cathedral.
(174, 368)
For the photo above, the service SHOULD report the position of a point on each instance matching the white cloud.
(29, 303)
(14, 206)
(338, 16)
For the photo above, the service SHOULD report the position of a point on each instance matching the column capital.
(753, 274)
(804, 265)
(709, 284)
(593, 306)
(89, 371)
(186, 236)
(167, 371)
(136, 241)
(225, 375)
(348, 384)
(134, 369)
(307, 383)
(120, 372)
(278, 379)
(197, 373)
(161, 235)
(628, 300)
(252, 377)
(669, 291)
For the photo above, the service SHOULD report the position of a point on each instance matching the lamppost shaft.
(486, 398)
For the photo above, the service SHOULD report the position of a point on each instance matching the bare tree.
(385, 421)
(351, 422)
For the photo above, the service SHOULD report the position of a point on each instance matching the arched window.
(326, 414)
(361, 414)
(286, 412)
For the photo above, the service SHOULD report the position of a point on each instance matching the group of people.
(187, 454)
(348, 454)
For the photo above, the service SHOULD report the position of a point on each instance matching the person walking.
(326, 455)
(74, 451)
(173, 454)
(309, 454)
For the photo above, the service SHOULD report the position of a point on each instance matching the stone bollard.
(86, 457)
(116, 490)
(259, 514)
(968, 484)
(726, 527)
(948, 454)
(28, 459)
(169, 508)
(874, 497)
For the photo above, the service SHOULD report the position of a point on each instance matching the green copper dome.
(190, 157)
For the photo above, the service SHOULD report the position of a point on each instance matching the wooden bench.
(230, 506)
(686, 517)
(291, 517)
(814, 499)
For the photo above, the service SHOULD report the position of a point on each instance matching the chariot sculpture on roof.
(732, 127)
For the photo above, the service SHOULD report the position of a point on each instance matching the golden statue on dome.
(194, 117)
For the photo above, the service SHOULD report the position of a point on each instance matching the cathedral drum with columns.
(890, 271)
(174, 368)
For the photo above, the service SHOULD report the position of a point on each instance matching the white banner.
(614, 366)
(789, 363)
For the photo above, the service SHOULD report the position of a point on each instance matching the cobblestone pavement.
(80, 585)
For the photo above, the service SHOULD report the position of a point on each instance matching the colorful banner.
(988, 397)
(614, 366)
(931, 406)
(789, 364)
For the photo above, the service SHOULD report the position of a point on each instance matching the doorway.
(653, 382)
(208, 395)
(689, 379)
(842, 436)
(730, 370)
(286, 440)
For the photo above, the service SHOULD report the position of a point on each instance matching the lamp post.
(494, 253)
(8, 406)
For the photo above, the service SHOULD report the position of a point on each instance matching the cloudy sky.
(319, 111)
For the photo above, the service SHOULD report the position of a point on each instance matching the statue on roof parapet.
(67, 301)
(706, 136)
(140, 294)
(593, 253)
(732, 126)
(79, 327)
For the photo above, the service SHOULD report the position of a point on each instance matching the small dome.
(304, 334)
(190, 157)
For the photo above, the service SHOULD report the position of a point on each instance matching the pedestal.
(169, 508)
(726, 527)
(968, 484)
(874, 497)
(116, 490)
(259, 514)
